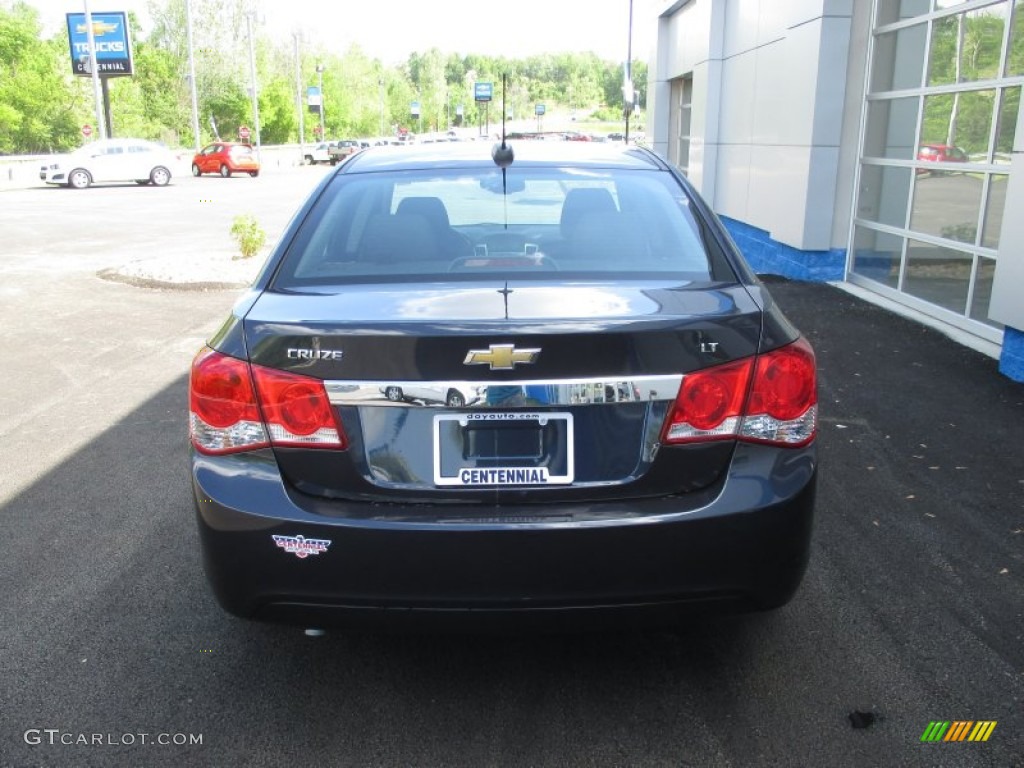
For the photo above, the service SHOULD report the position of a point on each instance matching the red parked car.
(941, 153)
(225, 158)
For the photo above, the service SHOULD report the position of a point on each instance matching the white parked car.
(143, 162)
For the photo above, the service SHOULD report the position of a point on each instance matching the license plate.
(503, 449)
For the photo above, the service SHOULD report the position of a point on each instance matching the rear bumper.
(742, 546)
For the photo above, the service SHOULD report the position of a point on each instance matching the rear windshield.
(450, 224)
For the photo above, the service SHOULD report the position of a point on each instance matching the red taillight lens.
(710, 403)
(223, 415)
(783, 404)
(781, 407)
(226, 407)
(296, 409)
(785, 382)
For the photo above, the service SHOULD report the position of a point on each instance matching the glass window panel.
(898, 59)
(994, 210)
(940, 4)
(897, 10)
(884, 191)
(947, 205)
(938, 275)
(892, 124)
(1015, 61)
(1007, 127)
(968, 46)
(957, 121)
(983, 291)
(876, 255)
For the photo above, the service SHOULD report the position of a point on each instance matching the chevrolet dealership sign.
(113, 45)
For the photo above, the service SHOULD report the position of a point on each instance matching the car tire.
(254, 174)
(454, 399)
(195, 170)
(160, 176)
(225, 171)
(79, 178)
(310, 160)
(394, 394)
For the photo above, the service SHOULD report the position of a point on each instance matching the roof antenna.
(502, 154)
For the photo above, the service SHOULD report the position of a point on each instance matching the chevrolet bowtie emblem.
(501, 357)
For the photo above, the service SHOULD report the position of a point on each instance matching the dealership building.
(875, 142)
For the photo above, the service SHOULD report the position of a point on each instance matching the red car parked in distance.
(941, 153)
(226, 158)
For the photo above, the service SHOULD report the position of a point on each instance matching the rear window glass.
(456, 224)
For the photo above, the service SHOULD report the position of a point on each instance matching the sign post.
(483, 93)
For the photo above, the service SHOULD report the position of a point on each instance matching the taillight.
(770, 398)
(783, 404)
(227, 416)
(223, 415)
(710, 403)
(296, 409)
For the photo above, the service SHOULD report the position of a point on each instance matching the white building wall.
(769, 91)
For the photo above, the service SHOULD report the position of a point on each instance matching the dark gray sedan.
(640, 443)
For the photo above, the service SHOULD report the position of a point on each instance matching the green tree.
(41, 107)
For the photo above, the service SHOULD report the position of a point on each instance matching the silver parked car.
(111, 160)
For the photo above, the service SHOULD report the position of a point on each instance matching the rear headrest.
(581, 202)
(430, 208)
(398, 238)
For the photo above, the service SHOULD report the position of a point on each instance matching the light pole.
(320, 81)
(192, 75)
(94, 70)
(249, 19)
(627, 86)
(298, 100)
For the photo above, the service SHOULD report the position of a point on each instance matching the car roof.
(477, 154)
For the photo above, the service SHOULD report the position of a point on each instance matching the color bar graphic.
(958, 730)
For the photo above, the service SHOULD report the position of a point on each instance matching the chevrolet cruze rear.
(547, 392)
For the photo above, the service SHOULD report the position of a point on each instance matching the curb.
(112, 275)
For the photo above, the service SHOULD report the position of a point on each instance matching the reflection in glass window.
(938, 275)
(947, 205)
(897, 59)
(897, 10)
(968, 46)
(1008, 110)
(994, 210)
(877, 255)
(1015, 61)
(884, 191)
(892, 124)
(983, 291)
(961, 120)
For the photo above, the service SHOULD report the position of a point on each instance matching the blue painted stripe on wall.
(1011, 360)
(767, 256)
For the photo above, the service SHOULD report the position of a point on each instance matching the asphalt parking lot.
(911, 611)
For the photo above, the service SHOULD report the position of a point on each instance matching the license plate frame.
(520, 473)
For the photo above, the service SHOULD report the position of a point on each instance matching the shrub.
(248, 234)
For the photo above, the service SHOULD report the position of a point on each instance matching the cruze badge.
(501, 357)
(313, 354)
(302, 547)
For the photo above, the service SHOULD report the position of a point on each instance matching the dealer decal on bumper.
(300, 546)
